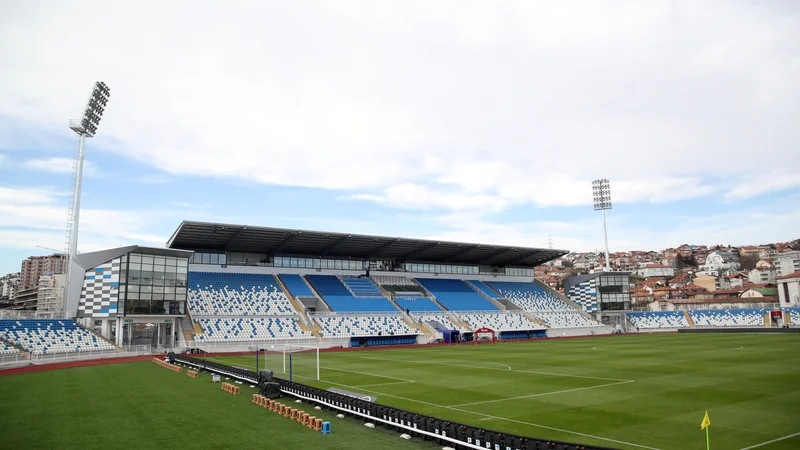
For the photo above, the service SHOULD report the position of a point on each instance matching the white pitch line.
(387, 384)
(485, 416)
(489, 416)
(369, 374)
(498, 364)
(542, 394)
(770, 442)
(399, 361)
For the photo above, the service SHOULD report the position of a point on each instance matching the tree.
(748, 262)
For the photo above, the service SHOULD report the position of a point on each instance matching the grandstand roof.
(292, 242)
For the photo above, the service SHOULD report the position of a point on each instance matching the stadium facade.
(142, 295)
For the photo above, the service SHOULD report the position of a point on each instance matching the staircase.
(689, 319)
(533, 318)
(316, 292)
(100, 336)
(304, 322)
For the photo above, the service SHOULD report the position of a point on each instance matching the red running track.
(71, 364)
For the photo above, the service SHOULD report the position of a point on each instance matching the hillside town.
(680, 278)
(689, 276)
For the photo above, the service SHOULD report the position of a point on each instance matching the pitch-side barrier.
(444, 432)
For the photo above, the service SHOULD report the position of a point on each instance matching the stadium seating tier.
(51, 336)
(455, 295)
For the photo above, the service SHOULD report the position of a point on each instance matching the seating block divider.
(192, 373)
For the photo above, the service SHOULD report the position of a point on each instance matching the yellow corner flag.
(704, 426)
(706, 422)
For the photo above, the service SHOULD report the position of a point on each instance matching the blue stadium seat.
(417, 304)
(249, 329)
(658, 319)
(51, 336)
(236, 294)
(296, 286)
(455, 295)
(529, 296)
(363, 326)
(339, 298)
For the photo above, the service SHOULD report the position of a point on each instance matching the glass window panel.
(135, 257)
(145, 289)
(206, 258)
(157, 297)
(223, 259)
(180, 290)
(170, 261)
(183, 262)
(136, 266)
(169, 296)
(133, 296)
(147, 259)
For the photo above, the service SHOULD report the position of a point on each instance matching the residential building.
(50, 296)
(656, 270)
(708, 282)
(786, 263)
(36, 266)
(762, 275)
(8, 287)
(720, 262)
(789, 289)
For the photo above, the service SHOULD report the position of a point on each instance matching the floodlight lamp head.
(601, 190)
(98, 100)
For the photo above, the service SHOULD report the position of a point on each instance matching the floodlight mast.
(601, 190)
(86, 127)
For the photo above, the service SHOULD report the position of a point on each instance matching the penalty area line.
(542, 394)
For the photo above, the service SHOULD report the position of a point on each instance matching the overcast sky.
(475, 121)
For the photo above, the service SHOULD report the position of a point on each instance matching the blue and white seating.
(479, 285)
(648, 320)
(248, 329)
(564, 319)
(455, 295)
(499, 322)
(5, 349)
(51, 336)
(236, 294)
(339, 298)
(296, 285)
(362, 326)
(442, 319)
(529, 296)
(745, 317)
(362, 287)
(417, 304)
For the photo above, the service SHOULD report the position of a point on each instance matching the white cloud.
(40, 215)
(496, 100)
(58, 165)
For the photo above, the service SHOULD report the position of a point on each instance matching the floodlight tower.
(602, 201)
(86, 127)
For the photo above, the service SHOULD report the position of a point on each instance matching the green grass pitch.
(628, 392)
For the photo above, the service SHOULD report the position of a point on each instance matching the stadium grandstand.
(238, 287)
